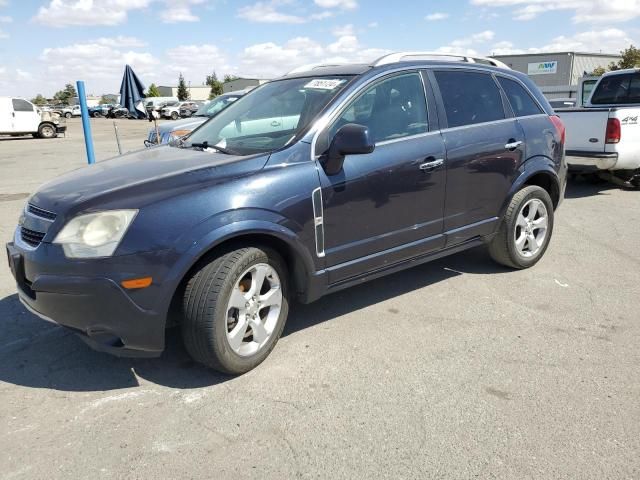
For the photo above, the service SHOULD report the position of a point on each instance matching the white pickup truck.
(604, 136)
(21, 117)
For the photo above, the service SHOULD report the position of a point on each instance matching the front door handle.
(275, 123)
(513, 144)
(431, 165)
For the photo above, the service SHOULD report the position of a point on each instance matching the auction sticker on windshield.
(324, 84)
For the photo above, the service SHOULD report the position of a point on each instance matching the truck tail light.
(613, 131)
(559, 127)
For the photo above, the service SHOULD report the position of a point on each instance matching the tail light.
(613, 131)
(559, 127)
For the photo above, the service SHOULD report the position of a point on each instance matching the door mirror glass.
(351, 139)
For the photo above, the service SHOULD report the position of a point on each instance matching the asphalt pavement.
(455, 369)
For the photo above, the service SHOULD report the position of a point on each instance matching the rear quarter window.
(519, 99)
(469, 97)
(617, 89)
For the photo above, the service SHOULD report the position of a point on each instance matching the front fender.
(225, 226)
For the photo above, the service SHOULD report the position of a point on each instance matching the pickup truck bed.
(600, 139)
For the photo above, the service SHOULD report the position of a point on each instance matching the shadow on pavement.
(581, 187)
(37, 354)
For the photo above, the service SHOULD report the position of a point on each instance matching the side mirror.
(351, 139)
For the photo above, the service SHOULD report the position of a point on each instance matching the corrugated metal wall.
(521, 64)
(587, 63)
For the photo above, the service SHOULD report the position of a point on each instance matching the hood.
(185, 124)
(148, 173)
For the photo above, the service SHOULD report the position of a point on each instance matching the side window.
(521, 102)
(469, 97)
(394, 108)
(21, 105)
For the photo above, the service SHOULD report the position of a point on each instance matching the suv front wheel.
(235, 308)
(526, 229)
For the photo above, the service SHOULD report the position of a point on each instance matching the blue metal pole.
(86, 125)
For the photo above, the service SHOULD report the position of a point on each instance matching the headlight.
(95, 234)
(176, 134)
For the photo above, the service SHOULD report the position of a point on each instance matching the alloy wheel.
(253, 309)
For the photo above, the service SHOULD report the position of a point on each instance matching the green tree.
(104, 100)
(183, 92)
(63, 96)
(153, 91)
(215, 84)
(229, 78)
(598, 72)
(39, 100)
(630, 59)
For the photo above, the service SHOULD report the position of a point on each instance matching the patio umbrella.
(131, 94)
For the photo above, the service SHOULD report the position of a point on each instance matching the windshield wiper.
(205, 145)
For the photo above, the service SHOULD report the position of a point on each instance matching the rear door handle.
(512, 145)
(431, 165)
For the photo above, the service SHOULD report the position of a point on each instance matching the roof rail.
(407, 56)
(312, 66)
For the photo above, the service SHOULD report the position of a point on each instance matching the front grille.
(39, 212)
(31, 237)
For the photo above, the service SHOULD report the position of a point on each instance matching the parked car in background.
(21, 117)
(172, 110)
(562, 102)
(189, 108)
(156, 103)
(604, 136)
(386, 166)
(170, 131)
(69, 111)
(100, 110)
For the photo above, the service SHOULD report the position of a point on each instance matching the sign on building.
(542, 68)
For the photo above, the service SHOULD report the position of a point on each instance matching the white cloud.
(98, 63)
(462, 46)
(266, 12)
(176, 11)
(592, 11)
(121, 41)
(321, 15)
(341, 4)
(372, 25)
(343, 30)
(272, 60)
(436, 16)
(6, 19)
(609, 40)
(195, 62)
(3, 34)
(61, 13)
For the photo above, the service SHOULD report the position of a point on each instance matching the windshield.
(217, 105)
(270, 116)
(617, 89)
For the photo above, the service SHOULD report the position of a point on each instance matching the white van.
(21, 117)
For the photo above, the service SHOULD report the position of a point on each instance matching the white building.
(199, 92)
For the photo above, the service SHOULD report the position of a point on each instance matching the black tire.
(47, 130)
(96, 115)
(635, 181)
(205, 315)
(67, 115)
(503, 246)
(174, 115)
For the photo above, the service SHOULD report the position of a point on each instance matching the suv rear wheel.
(526, 229)
(235, 308)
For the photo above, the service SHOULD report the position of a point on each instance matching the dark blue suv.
(309, 184)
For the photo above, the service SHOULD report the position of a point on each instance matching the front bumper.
(583, 161)
(86, 297)
(61, 128)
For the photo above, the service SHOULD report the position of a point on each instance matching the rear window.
(624, 88)
(521, 102)
(469, 98)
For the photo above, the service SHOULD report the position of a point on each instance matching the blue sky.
(46, 43)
